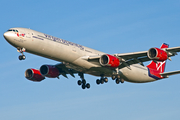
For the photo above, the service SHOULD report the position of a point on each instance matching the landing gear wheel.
(83, 86)
(79, 82)
(84, 81)
(22, 57)
(113, 77)
(98, 81)
(105, 79)
(117, 81)
(87, 85)
(102, 81)
(21, 50)
(122, 80)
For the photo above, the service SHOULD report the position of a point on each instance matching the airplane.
(77, 59)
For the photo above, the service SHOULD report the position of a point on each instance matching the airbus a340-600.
(77, 59)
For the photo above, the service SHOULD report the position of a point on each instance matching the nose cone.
(10, 36)
(7, 35)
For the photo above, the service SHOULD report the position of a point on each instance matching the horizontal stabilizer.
(167, 74)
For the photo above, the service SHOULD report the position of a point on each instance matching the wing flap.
(64, 70)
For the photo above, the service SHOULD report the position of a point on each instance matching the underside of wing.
(65, 69)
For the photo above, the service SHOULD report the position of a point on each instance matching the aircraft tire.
(84, 81)
(113, 77)
(79, 82)
(105, 79)
(83, 86)
(98, 81)
(117, 81)
(102, 81)
(122, 80)
(20, 57)
(118, 76)
(87, 85)
(23, 57)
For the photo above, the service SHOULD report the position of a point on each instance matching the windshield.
(13, 30)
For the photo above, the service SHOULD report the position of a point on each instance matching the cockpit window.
(13, 30)
(10, 30)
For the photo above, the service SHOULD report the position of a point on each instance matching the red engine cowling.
(34, 75)
(157, 54)
(49, 71)
(109, 61)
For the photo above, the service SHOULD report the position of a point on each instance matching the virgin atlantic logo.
(20, 35)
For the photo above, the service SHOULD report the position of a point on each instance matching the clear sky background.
(112, 26)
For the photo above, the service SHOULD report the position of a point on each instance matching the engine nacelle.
(109, 61)
(49, 71)
(157, 54)
(34, 75)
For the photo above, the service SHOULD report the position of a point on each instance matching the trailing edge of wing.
(64, 70)
(167, 74)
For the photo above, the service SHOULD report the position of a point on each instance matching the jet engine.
(34, 75)
(157, 54)
(49, 71)
(109, 61)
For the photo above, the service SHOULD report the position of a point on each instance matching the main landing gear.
(117, 79)
(21, 50)
(82, 82)
(102, 80)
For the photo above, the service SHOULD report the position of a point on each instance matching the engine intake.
(49, 71)
(34, 75)
(109, 61)
(157, 54)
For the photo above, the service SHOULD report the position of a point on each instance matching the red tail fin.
(158, 67)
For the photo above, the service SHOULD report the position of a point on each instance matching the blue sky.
(112, 26)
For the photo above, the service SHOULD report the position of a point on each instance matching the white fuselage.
(64, 51)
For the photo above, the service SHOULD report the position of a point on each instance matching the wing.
(135, 57)
(64, 70)
(173, 49)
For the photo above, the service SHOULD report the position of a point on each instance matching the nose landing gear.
(22, 57)
(21, 50)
